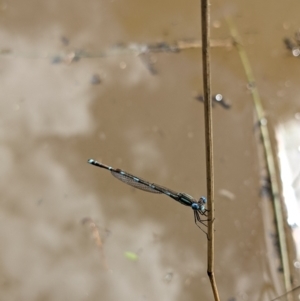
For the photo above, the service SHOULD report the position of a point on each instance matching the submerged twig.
(270, 160)
(117, 49)
(288, 294)
(205, 22)
(97, 238)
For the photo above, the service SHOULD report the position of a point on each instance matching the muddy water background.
(53, 119)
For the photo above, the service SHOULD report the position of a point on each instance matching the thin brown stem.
(205, 19)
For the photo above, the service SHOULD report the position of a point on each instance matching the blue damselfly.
(183, 198)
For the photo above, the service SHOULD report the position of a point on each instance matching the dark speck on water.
(65, 41)
(56, 59)
(95, 79)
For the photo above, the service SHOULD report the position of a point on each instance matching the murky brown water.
(57, 112)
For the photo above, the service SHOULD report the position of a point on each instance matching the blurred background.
(78, 81)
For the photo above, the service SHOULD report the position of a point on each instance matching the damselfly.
(183, 198)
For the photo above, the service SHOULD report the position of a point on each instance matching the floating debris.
(131, 256)
(293, 44)
(168, 277)
(95, 79)
(56, 59)
(266, 189)
(149, 61)
(65, 41)
(216, 99)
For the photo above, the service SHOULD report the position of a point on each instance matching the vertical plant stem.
(205, 20)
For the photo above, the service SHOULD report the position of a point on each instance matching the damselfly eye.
(203, 200)
(195, 206)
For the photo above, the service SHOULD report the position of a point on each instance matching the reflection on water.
(289, 152)
(108, 104)
(288, 143)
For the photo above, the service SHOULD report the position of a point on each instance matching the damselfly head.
(198, 207)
